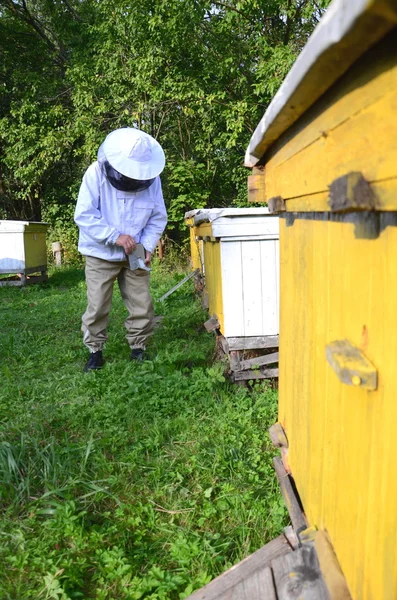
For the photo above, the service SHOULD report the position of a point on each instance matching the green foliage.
(141, 481)
(195, 74)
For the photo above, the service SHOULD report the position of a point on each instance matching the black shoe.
(138, 354)
(95, 361)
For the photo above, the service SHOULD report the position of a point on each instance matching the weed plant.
(138, 481)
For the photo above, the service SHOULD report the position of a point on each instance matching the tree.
(195, 74)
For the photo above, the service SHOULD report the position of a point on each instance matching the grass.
(138, 481)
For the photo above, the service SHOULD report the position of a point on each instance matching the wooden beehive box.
(237, 252)
(23, 252)
(326, 156)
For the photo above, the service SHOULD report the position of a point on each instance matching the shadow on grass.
(66, 277)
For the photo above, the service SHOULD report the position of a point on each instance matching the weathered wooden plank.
(259, 361)
(276, 204)
(297, 576)
(253, 342)
(257, 374)
(4, 283)
(330, 568)
(224, 344)
(242, 571)
(234, 359)
(277, 435)
(258, 586)
(298, 519)
(35, 278)
(292, 537)
(212, 324)
(351, 192)
(256, 185)
(178, 285)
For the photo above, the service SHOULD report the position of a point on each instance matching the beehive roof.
(346, 31)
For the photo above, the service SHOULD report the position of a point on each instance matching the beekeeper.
(120, 205)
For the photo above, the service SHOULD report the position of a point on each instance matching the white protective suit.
(103, 213)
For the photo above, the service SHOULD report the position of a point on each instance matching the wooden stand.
(258, 367)
(25, 276)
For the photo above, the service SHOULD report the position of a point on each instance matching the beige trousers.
(134, 288)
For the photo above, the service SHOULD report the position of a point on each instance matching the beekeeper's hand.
(127, 242)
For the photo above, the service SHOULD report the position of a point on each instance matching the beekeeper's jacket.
(103, 213)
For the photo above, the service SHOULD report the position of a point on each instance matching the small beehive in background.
(236, 251)
(23, 252)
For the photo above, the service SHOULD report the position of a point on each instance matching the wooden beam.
(277, 205)
(253, 343)
(257, 374)
(278, 437)
(351, 192)
(257, 185)
(223, 587)
(291, 499)
(329, 564)
(212, 324)
(259, 361)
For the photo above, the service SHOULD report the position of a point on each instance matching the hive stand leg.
(234, 359)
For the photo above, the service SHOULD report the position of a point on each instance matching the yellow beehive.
(23, 251)
(327, 148)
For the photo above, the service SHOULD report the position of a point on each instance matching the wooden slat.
(291, 500)
(252, 288)
(36, 278)
(212, 324)
(233, 292)
(277, 435)
(255, 565)
(292, 537)
(257, 374)
(297, 576)
(259, 361)
(258, 586)
(224, 343)
(234, 359)
(330, 567)
(253, 343)
(270, 267)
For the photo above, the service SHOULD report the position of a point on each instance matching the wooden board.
(291, 499)
(259, 361)
(256, 374)
(297, 576)
(252, 343)
(250, 579)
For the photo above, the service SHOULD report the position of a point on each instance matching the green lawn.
(138, 481)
